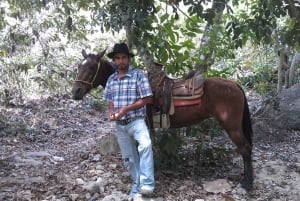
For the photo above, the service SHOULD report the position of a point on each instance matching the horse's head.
(88, 75)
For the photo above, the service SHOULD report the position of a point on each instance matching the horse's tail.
(247, 125)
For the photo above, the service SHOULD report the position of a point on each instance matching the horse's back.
(221, 88)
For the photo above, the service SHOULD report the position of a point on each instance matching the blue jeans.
(136, 148)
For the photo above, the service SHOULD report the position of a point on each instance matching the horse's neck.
(107, 69)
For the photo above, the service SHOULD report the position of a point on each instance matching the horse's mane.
(111, 64)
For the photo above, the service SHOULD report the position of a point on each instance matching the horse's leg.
(233, 124)
(245, 149)
(247, 182)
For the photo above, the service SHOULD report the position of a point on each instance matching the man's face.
(121, 60)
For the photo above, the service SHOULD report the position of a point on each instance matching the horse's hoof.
(248, 186)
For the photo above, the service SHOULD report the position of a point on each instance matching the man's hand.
(112, 117)
(122, 112)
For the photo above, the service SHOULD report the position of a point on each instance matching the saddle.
(177, 92)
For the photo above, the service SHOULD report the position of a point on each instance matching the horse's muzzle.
(78, 93)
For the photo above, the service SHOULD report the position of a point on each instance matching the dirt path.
(58, 149)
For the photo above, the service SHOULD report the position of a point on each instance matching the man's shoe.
(146, 191)
(134, 190)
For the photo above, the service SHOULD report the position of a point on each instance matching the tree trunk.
(282, 53)
(294, 65)
(207, 45)
(146, 56)
(279, 71)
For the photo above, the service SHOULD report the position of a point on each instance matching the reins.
(94, 78)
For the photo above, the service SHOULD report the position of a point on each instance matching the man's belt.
(128, 121)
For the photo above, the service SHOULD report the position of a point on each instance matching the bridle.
(94, 78)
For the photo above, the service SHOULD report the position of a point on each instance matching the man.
(127, 92)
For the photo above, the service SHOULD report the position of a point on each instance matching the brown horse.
(222, 99)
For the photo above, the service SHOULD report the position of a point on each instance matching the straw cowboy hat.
(120, 48)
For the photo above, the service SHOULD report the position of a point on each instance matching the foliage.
(209, 127)
(256, 69)
(166, 144)
(173, 43)
(15, 127)
(118, 14)
(170, 30)
(223, 72)
(263, 80)
(261, 19)
(96, 100)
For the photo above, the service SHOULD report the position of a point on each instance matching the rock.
(141, 198)
(24, 195)
(288, 119)
(37, 154)
(27, 161)
(57, 158)
(283, 111)
(74, 196)
(95, 186)
(289, 98)
(79, 181)
(116, 196)
(96, 158)
(217, 186)
(21, 180)
(108, 144)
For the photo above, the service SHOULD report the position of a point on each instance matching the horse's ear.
(84, 54)
(101, 54)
